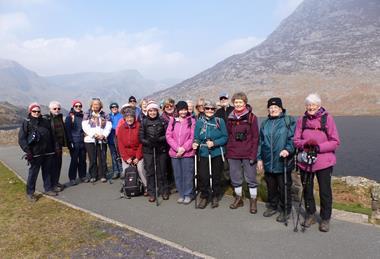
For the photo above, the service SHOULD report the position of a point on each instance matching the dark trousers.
(56, 167)
(204, 176)
(276, 190)
(325, 192)
(161, 167)
(78, 161)
(98, 159)
(116, 163)
(45, 163)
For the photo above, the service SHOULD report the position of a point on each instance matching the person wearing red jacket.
(129, 145)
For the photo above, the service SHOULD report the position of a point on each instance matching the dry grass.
(42, 229)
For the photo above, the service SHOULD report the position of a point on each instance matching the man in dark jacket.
(75, 135)
(60, 140)
(35, 139)
(225, 108)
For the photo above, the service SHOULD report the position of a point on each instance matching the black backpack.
(132, 185)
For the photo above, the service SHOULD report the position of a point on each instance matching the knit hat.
(75, 101)
(132, 99)
(181, 105)
(152, 105)
(275, 101)
(209, 104)
(32, 106)
(129, 111)
(114, 104)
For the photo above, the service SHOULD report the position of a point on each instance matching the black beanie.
(132, 98)
(181, 105)
(275, 101)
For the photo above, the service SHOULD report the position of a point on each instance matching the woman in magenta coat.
(317, 136)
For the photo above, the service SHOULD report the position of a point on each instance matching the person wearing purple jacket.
(180, 136)
(316, 134)
(242, 145)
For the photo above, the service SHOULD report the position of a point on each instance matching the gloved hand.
(29, 156)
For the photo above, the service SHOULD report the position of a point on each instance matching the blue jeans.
(183, 169)
(116, 163)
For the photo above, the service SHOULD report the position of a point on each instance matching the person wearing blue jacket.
(115, 117)
(210, 138)
(276, 147)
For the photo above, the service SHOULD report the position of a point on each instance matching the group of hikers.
(190, 147)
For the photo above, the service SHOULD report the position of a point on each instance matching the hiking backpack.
(132, 185)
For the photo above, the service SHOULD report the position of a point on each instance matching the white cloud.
(10, 22)
(237, 46)
(285, 7)
(143, 51)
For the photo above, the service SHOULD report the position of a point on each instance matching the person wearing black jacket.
(35, 139)
(75, 136)
(225, 108)
(152, 136)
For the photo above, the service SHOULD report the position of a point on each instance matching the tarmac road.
(220, 232)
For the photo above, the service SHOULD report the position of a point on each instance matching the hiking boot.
(84, 179)
(237, 203)
(57, 188)
(145, 192)
(180, 200)
(51, 193)
(103, 180)
(187, 200)
(324, 226)
(310, 220)
(165, 196)
(152, 199)
(214, 202)
(92, 180)
(269, 212)
(253, 206)
(31, 197)
(281, 218)
(73, 182)
(202, 203)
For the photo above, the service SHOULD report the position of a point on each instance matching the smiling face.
(239, 104)
(96, 105)
(36, 112)
(55, 110)
(129, 120)
(152, 113)
(169, 108)
(274, 111)
(209, 111)
(312, 108)
(182, 113)
(223, 101)
(77, 107)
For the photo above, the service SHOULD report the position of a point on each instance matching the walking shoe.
(180, 200)
(57, 188)
(324, 226)
(202, 203)
(85, 179)
(103, 180)
(31, 197)
(281, 218)
(152, 199)
(214, 202)
(187, 200)
(165, 196)
(51, 193)
(238, 202)
(310, 220)
(269, 212)
(145, 192)
(92, 180)
(73, 182)
(253, 206)
(61, 185)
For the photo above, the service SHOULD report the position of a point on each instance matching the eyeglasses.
(56, 109)
(168, 106)
(209, 109)
(35, 111)
(78, 106)
(223, 98)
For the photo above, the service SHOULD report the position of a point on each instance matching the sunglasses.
(114, 107)
(132, 101)
(56, 109)
(78, 106)
(168, 106)
(209, 109)
(36, 111)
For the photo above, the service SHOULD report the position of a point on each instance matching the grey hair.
(53, 104)
(313, 98)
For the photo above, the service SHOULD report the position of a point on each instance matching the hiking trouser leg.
(142, 173)
(149, 169)
(82, 166)
(204, 177)
(250, 173)
(46, 168)
(34, 169)
(56, 167)
(235, 172)
(102, 160)
(187, 175)
(217, 170)
(281, 189)
(272, 189)
(325, 192)
(178, 175)
(308, 191)
(116, 165)
(74, 162)
(162, 177)
(90, 148)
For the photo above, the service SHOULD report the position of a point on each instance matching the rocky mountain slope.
(327, 46)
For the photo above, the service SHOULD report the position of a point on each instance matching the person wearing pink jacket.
(180, 136)
(317, 137)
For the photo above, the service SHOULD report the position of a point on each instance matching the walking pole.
(286, 191)
(300, 204)
(155, 174)
(195, 179)
(210, 171)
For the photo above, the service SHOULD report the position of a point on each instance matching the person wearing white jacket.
(96, 126)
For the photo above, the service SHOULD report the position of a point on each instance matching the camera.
(240, 136)
(309, 157)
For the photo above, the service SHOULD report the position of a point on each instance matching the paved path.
(221, 232)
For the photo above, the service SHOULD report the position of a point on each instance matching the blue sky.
(161, 39)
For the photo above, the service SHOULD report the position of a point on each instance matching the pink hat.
(75, 101)
(32, 106)
(152, 105)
